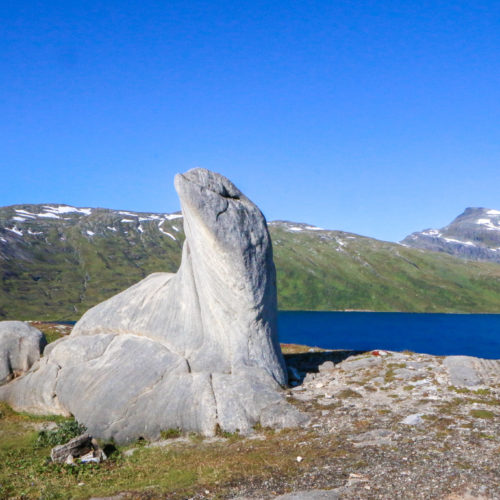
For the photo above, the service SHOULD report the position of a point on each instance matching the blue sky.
(376, 117)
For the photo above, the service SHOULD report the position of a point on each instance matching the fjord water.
(440, 334)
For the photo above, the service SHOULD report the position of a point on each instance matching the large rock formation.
(20, 346)
(192, 350)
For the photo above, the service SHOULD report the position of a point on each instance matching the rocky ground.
(386, 425)
(422, 426)
(382, 425)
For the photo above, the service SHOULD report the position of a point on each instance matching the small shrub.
(170, 434)
(62, 434)
(482, 392)
(226, 434)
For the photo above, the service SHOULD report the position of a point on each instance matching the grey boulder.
(195, 350)
(463, 370)
(20, 347)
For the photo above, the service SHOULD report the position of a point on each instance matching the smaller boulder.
(20, 347)
(463, 370)
(326, 367)
(83, 447)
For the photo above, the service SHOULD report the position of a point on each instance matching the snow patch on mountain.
(67, 209)
(167, 233)
(431, 232)
(295, 226)
(451, 240)
(150, 218)
(25, 213)
(173, 216)
(48, 215)
(488, 224)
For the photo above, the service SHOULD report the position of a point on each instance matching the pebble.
(414, 419)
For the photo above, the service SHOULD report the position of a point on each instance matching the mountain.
(474, 235)
(56, 261)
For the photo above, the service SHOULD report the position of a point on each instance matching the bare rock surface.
(463, 370)
(20, 346)
(192, 350)
(377, 433)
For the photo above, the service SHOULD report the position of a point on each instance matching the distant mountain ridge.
(56, 261)
(474, 234)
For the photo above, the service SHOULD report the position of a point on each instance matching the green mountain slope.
(332, 270)
(57, 261)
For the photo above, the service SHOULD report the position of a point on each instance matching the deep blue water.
(441, 334)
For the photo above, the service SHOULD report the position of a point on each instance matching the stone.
(327, 366)
(76, 447)
(415, 419)
(403, 374)
(360, 363)
(196, 350)
(20, 347)
(462, 370)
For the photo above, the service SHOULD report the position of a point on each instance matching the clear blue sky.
(376, 117)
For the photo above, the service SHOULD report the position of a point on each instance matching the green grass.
(176, 471)
(170, 434)
(482, 414)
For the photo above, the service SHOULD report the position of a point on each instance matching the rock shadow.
(300, 364)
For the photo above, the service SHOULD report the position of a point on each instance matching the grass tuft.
(482, 414)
